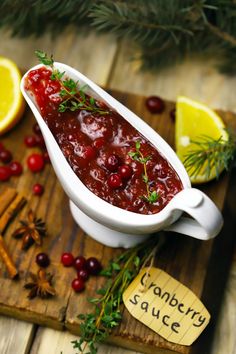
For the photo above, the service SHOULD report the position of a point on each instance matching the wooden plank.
(198, 79)
(15, 337)
(61, 343)
(184, 258)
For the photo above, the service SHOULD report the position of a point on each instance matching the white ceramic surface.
(109, 224)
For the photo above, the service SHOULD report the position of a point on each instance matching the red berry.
(114, 181)
(93, 265)
(80, 263)
(36, 129)
(78, 285)
(30, 141)
(40, 141)
(155, 104)
(46, 157)
(16, 168)
(112, 163)
(89, 153)
(67, 259)
(5, 173)
(83, 274)
(99, 142)
(38, 189)
(125, 171)
(5, 156)
(42, 260)
(35, 162)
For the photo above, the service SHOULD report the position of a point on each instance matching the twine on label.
(150, 260)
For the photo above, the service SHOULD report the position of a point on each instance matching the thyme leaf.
(151, 196)
(73, 97)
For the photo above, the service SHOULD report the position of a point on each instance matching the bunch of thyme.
(209, 155)
(73, 98)
(137, 155)
(97, 326)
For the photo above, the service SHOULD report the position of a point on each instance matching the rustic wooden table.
(107, 62)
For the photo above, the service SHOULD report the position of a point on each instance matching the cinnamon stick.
(11, 211)
(7, 259)
(6, 198)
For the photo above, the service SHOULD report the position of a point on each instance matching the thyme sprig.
(137, 155)
(97, 326)
(73, 98)
(209, 154)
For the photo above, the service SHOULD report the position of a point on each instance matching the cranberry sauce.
(109, 155)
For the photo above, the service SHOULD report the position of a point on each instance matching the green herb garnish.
(97, 326)
(73, 98)
(210, 154)
(137, 155)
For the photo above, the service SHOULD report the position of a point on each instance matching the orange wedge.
(12, 103)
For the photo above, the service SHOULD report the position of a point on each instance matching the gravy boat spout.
(112, 225)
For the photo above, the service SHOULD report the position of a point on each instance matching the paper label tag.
(166, 306)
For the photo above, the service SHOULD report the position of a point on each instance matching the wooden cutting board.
(202, 266)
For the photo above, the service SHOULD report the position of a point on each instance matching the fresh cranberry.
(2, 147)
(30, 141)
(46, 157)
(42, 260)
(40, 141)
(99, 142)
(80, 263)
(38, 189)
(16, 168)
(114, 181)
(93, 266)
(83, 274)
(173, 114)
(78, 285)
(112, 162)
(36, 129)
(5, 156)
(5, 173)
(67, 259)
(35, 162)
(155, 104)
(125, 171)
(89, 153)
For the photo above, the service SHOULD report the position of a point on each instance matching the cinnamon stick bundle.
(10, 204)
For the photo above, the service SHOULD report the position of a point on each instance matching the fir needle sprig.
(209, 154)
(97, 326)
(73, 98)
(137, 155)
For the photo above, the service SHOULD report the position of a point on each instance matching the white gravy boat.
(114, 226)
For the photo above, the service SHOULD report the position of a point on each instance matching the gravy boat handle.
(206, 221)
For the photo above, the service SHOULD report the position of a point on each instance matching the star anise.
(41, 285)
(31, 231)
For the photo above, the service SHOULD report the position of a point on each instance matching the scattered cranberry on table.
(46, 157)
(40, 141)
(83, 274)
(5, 173)
(80, 263)
(93, 266)
(36, 129)
(173, 114)
(78, 285)
(30, 141)
(5, 156)
(42, 260)
(67, 259)
(16, 168)
(35, 162)
(155, 104)
(38, 189)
